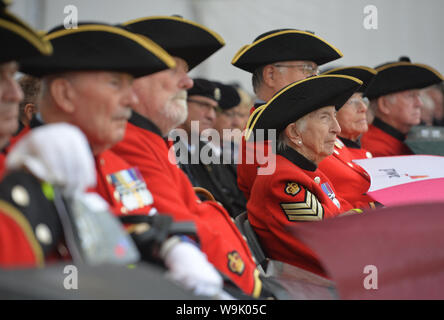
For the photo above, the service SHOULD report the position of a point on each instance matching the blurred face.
(201, 109)
(241, 115)
(438, 100)
(103, 103)
(235, 120)
(291, 71)
(318, 134)
(352, 117)
(404, 109)
(162, 96)
(10, 97)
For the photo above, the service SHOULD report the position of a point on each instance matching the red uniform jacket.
(30, 232)
(297, 192)
(120, 184)
(383, 140)
(349, 180)
(252, 156)
(18, 245)
(2, 164)
(143, 146)
(8, 148)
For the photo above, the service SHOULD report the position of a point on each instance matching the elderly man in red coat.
(298, 192)
(394, 98)
(162, 107)
(275, 59)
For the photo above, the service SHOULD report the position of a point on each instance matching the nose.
(362, 107)
(131, 97)
(418, 101)
(211, 114)
(236, 122)
(336, 128)
(185, 82)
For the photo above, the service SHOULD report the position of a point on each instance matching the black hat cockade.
(180, 37)
(365, 74)
(19, 40)
(300, 98)
(285, 45)
(400, 76)
(230, 97)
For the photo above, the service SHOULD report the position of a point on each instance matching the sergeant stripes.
(308, 210)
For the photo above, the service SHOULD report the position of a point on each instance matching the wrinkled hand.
(56, 153)
(190, 267)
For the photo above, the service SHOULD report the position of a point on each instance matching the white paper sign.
(391, 171)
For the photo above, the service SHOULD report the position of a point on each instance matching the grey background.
(405, 27)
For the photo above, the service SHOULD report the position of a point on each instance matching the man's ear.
(293, 134)
(383, 105)
(269, 75)
(63, 94)
(29, 110)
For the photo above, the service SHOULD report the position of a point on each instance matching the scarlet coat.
(297, 192)
(349, 179)
(383, 140)
(144, 147)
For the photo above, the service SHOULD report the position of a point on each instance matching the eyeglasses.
(232, 114)
(307, 69)
(204, 104)
(356, 102)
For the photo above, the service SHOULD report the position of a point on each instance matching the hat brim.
(365, 74)
(285, 45)
(99, 47)
(401, 76)
(299, 99)
(182, 38)
(21, 40)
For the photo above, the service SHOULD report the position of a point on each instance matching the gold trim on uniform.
(26, 228)
(257, 284)
(308, 210)
(292, 188)
(339, 144)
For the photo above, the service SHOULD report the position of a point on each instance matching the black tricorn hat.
(19, 40)
(300, 98)
(365, 74)
(399, 76)
(285, 45)
(180, 37)
(98, 46)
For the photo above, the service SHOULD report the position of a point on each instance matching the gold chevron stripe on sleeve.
(308, 210)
